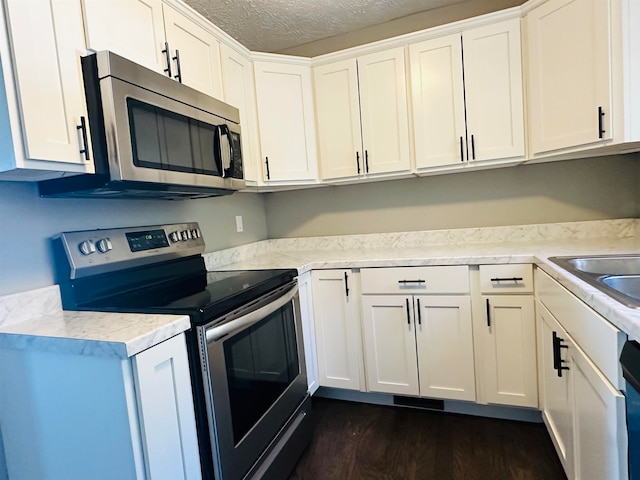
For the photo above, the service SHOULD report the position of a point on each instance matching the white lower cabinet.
(506, 336)
(418, 344)
(78, 416)
(336, 312)
(583, 410)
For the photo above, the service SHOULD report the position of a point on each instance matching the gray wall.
(28, 222)
(587, 189)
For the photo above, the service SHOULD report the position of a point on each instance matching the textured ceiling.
(275, 25)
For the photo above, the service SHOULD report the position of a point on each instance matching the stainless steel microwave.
(153, 137)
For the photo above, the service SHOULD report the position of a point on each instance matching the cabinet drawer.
(415, 280)
(510, 278)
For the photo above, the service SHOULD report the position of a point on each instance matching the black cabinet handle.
(346, 284)
(461, 149)
(366, 161)
(507, 279)
(404, 282)
(267, 163)
(178, 76)
(419, 314)
(83, 130)
(167, 57)
(408, 314)
(557, 356)
(601, 130)
(473, 148)
(488, 313)
(358, 161)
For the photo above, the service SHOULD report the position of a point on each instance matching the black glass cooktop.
(202, 295)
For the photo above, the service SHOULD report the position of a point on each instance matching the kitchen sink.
(615, 275)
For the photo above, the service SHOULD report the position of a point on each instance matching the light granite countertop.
(35, 319)
(537, 252)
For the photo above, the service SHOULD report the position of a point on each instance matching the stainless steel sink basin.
(615, 275)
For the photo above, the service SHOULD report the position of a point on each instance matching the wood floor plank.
(355, 441)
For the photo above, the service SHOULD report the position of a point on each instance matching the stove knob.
(195, 233)
(87, 247)
(174, 237)
(185, 234)
(104, 245)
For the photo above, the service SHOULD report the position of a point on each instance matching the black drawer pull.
(408, 314)
(404, 282)
(507, 279)
(557, 357)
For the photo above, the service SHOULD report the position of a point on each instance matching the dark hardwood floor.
(358, 441)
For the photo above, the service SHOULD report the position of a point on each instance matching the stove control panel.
(90, 252)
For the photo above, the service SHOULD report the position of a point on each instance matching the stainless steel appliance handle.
(216, 333)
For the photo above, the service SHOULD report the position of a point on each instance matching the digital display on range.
(147, 240)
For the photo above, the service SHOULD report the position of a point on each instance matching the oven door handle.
(216, 333)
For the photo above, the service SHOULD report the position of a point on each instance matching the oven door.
(253, 361)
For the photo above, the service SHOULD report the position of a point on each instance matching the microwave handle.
(226, 149)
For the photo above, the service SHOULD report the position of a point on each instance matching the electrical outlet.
(239, 226)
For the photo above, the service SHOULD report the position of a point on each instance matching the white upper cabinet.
(44, 91)
(569, 68)
(195, 53)
(471, 110)
(238, 86)
(158, 37)
(287, 129)
(133, 29)
(583, 75)
(361, 108)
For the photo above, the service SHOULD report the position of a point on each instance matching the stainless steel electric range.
(245, 343)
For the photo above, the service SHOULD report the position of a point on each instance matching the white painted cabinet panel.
(493, 91)
(77, 416)
(556, 400)
(509, 350)
(195, 53)
(390, 348)
(444, 341)
(338, 115)
(569, 74)
(305, 291)
(238, 86)
(438, 101)
(361, 107)
(133, 29)
(166, 411)
(383, 104)
(46, 42)
(467, 97)
(287, 128)
(337, 329)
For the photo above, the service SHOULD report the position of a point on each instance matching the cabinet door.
(337, 328)
(285, 116)
(237, 79)
(555, 393)
(600, 433)
(438, 101)
(165, 404)
(383, 104)
(493, 91)
(569, 68)
(195, 53)
(510, 351)
(444, 341)
(47, 42)
(133, 29)
(389, 343)
(338, 116)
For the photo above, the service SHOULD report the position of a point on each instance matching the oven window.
(261, 362)
(165, 140)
